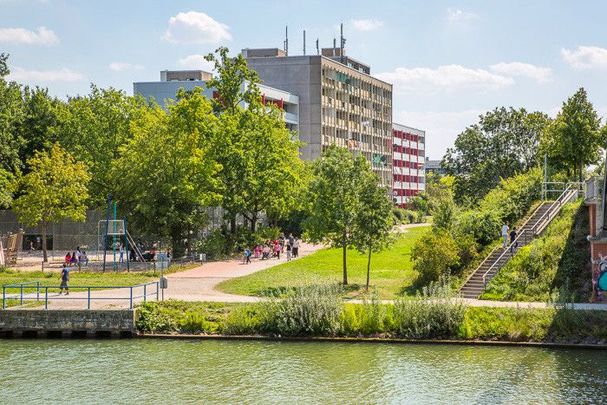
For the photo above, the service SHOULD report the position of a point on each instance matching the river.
(177, 371)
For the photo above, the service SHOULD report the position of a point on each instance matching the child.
(247, 256)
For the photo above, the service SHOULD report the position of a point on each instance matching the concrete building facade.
(171, 81)
(339, 103)
(409, 150)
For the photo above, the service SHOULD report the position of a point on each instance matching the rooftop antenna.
(304, 41)
(334, 46)
(317, 49)
(342, 42)
(286, 41)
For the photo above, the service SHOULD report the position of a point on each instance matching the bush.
(151, 319)
(433, 313)
(434, 255)
(215, 245)
(399, 215)
(246, 320)
(483, 226)
(308, 311)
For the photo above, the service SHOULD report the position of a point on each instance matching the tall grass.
(433, 313)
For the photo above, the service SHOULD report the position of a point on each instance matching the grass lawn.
(391, 271)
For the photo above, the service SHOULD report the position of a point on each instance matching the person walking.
(121, 250)
(277, 250)
(289, 252)
(513, 241)
(65, 278)
(247, 256)
(295, 247)
(505, 229)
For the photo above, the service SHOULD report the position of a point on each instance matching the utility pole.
(286, 41)
(304, 42)
(317, 49)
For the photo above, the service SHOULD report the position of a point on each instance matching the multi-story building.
(434, 166)
(171, 81)
(408, 145)
(339, 102)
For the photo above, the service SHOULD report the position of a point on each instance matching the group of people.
(507, 232)
(76, 258)
(274, 248)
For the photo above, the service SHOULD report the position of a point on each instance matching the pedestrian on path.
(247, 256)
(513, 242)
(295, 247)
(65, 278)
(505, 229)
(277, 250)
(289, 253)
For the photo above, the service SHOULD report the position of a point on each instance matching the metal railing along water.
(133, 293)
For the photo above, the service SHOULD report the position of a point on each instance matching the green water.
(170, 371)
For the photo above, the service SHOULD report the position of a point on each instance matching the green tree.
(4, 70)
(93, 128)
(374, 221)
(575, 139)
(234, 83)
(53, 190)
(334, 195)
(504, 142)
(259, 157)
(39, 126)
(164, 175)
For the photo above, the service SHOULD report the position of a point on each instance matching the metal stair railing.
(554, 209)
(508, 248)
(498, 246)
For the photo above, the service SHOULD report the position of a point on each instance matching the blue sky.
(448, 60)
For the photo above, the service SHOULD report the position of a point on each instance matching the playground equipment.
(13, 248)
(120, 237)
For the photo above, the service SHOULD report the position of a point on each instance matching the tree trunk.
(253, 222)
(232, 224)
(43, 227)
(369, 268)
(345, 266)
(177, 243)
(580, 178)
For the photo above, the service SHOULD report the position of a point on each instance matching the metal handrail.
(497, 247)
(546, 217)
(515, 241)
(87, 288)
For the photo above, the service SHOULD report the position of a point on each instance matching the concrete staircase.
(533, 225)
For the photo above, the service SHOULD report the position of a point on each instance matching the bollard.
(37, 291)
(89, 298)
(3, 297)
(131, 300)
(157, 283)
(21, 294)
(145, 292)
(46, 298)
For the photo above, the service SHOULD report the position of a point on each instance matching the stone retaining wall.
(32, 322)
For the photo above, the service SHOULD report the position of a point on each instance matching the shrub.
(434, 255)
(433, 313)
(196, 322)
(151, 319)
(443, 216)
(483, 226)
(246, 320)
(399, 215)
(308, 311)
(214, 245)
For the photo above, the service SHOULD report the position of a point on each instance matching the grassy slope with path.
(391, 271)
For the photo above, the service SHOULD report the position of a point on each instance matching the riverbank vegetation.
(392, 271)
(318, 311)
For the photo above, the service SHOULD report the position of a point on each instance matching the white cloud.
(537, 73)
(585, 57)
(441, 128)
(366, 25)
(124, 66)
(456, 15)
(43, 76)
(196, 61)
(447, 78)
(196, 27)
(43, 36)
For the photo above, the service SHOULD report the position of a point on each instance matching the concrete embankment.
(67, 323)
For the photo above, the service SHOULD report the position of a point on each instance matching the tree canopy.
(54, 189)
(503, 143)
(574, 139)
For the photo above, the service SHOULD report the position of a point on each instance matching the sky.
(449, 61)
